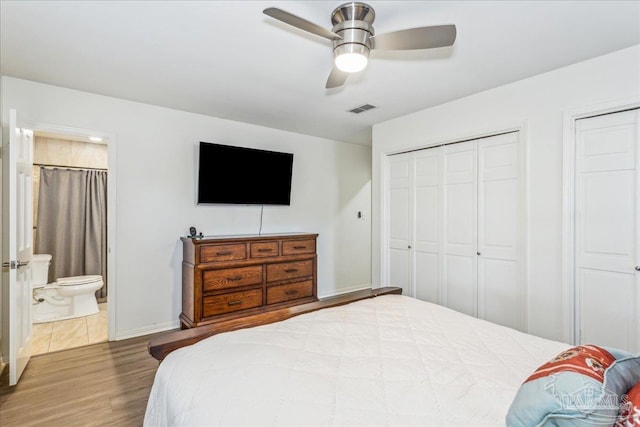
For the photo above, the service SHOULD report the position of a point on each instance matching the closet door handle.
(637, 267)
(478, 253)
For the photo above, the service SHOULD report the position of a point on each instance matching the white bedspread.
(390, 360)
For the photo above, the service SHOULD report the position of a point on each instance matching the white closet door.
(427, 223)
(400, 230)
(460, 211)
(607, 230)
(499, 225)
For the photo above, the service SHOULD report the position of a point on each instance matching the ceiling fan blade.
(416, 38)
(336, 78)
(300, 23)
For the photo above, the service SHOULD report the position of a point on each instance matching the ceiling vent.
(362, 108)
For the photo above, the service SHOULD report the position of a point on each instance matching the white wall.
(3, 312)
(538, 103)
(156, 151)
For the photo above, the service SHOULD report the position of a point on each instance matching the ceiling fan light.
(351, 57)
(351, 62)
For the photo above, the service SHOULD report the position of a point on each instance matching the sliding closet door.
(427, 223)
(455, 227)
(499, 224)
(460, 208)
(607, 230)
(400, 230)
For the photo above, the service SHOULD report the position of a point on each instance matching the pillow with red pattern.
(581, 386)
(630, 409)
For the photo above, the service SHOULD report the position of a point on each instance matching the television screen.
(237, 175)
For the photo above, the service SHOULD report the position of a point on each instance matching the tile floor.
(70, 333)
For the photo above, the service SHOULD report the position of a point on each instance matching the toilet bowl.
(66, 298)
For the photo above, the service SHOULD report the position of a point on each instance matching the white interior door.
(427, 224)
(499, 224)
(18, 225)
(460, 224)
(608, 230)
(400, 232)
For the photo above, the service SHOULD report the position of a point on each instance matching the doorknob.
(22, 263)
(637, 267)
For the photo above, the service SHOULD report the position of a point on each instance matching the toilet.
(66, 298)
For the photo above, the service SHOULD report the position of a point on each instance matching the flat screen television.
(238, 175)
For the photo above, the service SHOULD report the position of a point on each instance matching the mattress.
(390, 360)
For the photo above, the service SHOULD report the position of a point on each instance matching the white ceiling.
(226, 59)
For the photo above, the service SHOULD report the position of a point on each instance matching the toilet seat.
(78, 280)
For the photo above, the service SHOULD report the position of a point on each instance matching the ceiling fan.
(353, 37)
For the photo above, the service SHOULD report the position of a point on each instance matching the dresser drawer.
(293, 247)
(289, 292)
(216, 253)
(289, 270)
(264, 249)
(233, 301)
(231, 278)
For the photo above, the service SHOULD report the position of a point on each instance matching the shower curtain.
(72, 223)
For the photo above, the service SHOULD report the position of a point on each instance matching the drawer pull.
(265, 250)
(224, 253)
(234, 278)
(291, 292)
(291, 270)
(234, 303)
(299, 247)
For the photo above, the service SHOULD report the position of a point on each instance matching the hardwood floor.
(98, 385)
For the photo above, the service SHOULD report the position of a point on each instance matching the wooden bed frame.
(160, 346)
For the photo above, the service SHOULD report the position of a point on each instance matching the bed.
(389, 360)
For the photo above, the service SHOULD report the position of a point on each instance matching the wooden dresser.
(227, 277)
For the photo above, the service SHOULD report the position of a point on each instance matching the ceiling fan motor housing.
(353, 22)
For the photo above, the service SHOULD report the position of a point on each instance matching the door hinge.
(9, 264)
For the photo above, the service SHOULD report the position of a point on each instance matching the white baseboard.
(147, 330)
(347, 290)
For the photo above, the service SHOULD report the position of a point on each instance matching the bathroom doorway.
(70, 226)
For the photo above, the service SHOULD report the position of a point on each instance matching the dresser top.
(263, 236)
